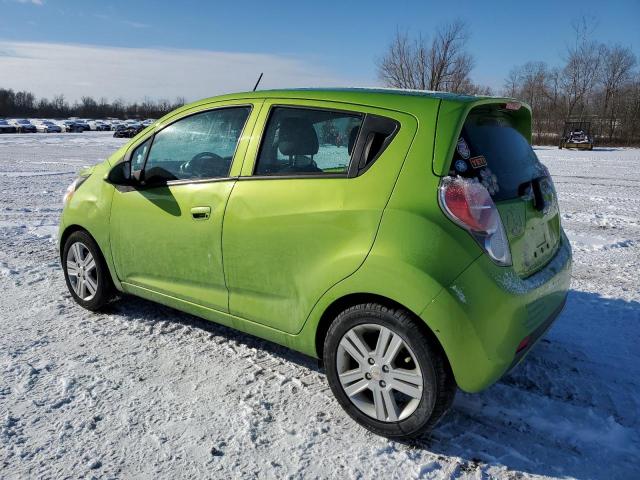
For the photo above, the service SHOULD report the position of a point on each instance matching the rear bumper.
(484, 315)
(579, 146)
(537, 334)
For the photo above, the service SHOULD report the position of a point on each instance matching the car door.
(166, 234)
(305, 210)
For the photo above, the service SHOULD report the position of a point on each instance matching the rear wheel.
(386, 372)
(85, 271)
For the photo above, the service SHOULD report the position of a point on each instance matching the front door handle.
(200, 213)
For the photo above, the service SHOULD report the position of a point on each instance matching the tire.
(98, 287)
(370, 405)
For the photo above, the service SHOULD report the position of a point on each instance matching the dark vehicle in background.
(128, 130)
(5, 127)
(576, 135)
(24, 126)
(72, 126)
(84, 124)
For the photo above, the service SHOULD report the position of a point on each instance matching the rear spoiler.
(452, 115)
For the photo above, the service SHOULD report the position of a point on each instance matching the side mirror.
(121, 175)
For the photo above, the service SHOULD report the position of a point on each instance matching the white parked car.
(47, 126)
(99, 125)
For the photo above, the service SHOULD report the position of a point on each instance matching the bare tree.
(616, 71)
(581, 71)
(442, 64)
(398, 66)
(450, 64)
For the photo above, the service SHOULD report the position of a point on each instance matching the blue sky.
(296, 42)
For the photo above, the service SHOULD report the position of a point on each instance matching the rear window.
(494, 151)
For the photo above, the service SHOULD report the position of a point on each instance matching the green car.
(409, 240)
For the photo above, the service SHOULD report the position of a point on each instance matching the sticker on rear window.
(478, 162)
(463, 148)
(489, 180)
(460, 166)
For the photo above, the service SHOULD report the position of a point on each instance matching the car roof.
(380, 97)
(356, 91)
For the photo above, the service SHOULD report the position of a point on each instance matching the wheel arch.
(69, 230)
(349, 300)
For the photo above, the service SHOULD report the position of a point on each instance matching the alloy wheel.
(379, 373)
(82, 272)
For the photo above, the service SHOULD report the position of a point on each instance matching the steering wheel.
(204, 165)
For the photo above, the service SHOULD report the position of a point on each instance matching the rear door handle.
(200, 213)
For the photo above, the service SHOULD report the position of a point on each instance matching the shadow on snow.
(563, 410)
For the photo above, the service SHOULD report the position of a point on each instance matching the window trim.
(360, 147)
(346, 174)
(186, 181)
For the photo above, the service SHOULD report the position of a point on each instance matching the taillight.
(468, 203)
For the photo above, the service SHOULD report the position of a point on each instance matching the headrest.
(353, 135)
(297, 137)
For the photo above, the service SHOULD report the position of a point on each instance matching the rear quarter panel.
(416, 251)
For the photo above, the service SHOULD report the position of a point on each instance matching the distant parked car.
(6, 127)
(577, 135)
(84, 124)
(24, 126)
(71, 126)
(148, 121)
(47, 126)
(128, 130)
(99, 125)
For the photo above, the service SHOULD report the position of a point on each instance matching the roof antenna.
(258, 82)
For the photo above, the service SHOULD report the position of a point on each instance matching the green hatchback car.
(409, 240)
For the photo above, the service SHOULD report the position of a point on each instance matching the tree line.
(25, 104)
(596, 82)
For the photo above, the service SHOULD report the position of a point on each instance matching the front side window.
(197, 147)
(301, 141)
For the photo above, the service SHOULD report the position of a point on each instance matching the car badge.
(463, 148)
(478, 162)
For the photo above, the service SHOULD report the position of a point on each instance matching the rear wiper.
(532, 188)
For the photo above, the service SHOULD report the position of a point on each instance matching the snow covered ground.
(146, 391)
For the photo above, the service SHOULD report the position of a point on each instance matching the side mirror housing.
(121, 175)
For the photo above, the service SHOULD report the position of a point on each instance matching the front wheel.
(386, 372)
(85, 271)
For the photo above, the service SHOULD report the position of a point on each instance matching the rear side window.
(304, 141)
(494, 151)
